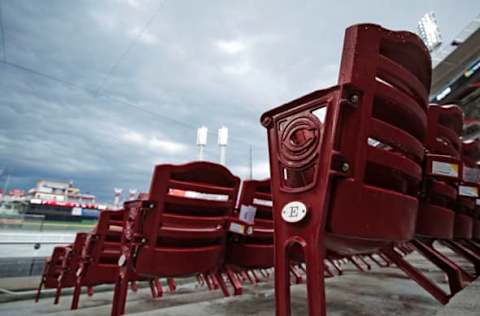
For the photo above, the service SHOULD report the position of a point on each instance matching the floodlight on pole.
(118, 196)
(429, 31)
(202, 135)
(223, 143)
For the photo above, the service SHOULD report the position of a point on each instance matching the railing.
(27, 222)
(26, 240)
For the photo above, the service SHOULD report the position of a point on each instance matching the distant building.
(59, 200)
(60, 192)
(456, 75)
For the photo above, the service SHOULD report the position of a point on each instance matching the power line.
(125, 53)
(114, 99)
(46, 76)
(4, 51)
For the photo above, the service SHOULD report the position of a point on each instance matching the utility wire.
(125, 53)
(4, 51)
(46, 76)
(115, 99)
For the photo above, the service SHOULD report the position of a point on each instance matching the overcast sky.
(136, 78)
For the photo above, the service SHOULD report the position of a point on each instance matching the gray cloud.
(198, 63)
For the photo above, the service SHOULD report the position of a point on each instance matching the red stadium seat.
(346, 161)
(71, 263)
(52, 270)
(180, 231)
(436, 215)
(250, 242)
(252, 247)
(466, 217)
(471, 158)
(99, 259)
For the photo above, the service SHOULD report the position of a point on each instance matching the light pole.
(429, 31)
(118, 195)
(223, 143)
(202, 135)
(132, 194)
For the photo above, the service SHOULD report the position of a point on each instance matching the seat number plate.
(294, 212)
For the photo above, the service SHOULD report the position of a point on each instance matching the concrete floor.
(381, 291)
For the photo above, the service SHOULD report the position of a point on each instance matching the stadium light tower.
(118, 196)
(132, 194)
(202, 135)
(223, 143)
(429, 31)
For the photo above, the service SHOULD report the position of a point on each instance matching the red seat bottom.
(476, 229)
(250, 255)
(463, 226)
(435, 221)
(371, 214)
(178, 262)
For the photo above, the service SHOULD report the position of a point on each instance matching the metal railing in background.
(26, 240)
(38, 223)
(27, 257)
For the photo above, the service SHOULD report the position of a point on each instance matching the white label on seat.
(464, 190)
(294, 212)
(247, 213)
(237, 228)
(477, 202)
(445, 169)
(471, 174)
(263, 202)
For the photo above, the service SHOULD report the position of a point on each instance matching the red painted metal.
(348, 153)
(436, 215)
(178, 236)
(471, 177)
(52, 270)
(254, 248)
(71, 262)
(467, 205)
(250, 245)
(98, 263)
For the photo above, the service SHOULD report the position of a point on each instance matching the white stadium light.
(223, 136)
(429, 31)
(202, 134)
(222, 143)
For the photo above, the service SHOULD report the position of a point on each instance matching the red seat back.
(436, 215)
(102, 249)
(53, 266)
(253, 248)
(73, 260)
(185, 228)
(467, 225)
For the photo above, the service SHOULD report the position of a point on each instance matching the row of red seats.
(90, 260)
(368, 166)
(187, 225)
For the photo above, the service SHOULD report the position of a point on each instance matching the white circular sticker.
(294, 212)
(122, 260)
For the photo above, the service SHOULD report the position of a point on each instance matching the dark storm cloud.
(197, 63)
